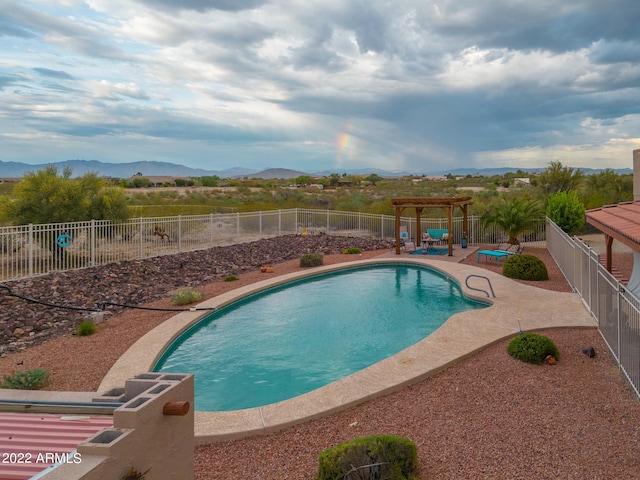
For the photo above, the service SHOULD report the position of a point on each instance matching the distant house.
(160, 180)
(438, 178)
(521, 182)
(9, 179)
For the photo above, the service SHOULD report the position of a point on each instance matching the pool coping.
(516, 307)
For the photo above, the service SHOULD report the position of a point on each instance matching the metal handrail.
(466, 282)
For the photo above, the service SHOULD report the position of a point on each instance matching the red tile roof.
(29, 441)
(621, 221)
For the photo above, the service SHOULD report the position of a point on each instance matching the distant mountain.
(489, 172)
(152, 168)
(122, 170)
(274, 173)
(366, 171)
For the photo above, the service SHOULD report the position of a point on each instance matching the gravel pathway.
(487, 417)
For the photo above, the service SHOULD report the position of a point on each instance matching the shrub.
(352, 251)
(532, 348)
(33, 379)
(86, 328)
(230, 278)
(379, 456)
(133, 474)
(567, 211)
(311, 260)
(185, 296)
(525, 267)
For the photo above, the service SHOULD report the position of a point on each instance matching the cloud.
(419, 83)
(204, 5)
(46, 72)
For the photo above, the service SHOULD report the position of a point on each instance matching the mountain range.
(153, 168)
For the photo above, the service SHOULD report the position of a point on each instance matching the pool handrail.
(466, 282)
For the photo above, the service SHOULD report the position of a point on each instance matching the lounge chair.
(509, 248)
(503, 250)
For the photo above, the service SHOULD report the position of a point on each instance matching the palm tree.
(515, 217)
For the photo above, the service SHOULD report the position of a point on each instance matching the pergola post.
(397, 227)
(418, 227)
(465, 222)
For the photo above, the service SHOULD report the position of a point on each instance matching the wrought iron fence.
(31, 250)
(615, 309)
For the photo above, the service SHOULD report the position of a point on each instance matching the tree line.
(561, 192)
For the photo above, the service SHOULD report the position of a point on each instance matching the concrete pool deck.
(516, 306)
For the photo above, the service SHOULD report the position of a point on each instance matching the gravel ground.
(487, 417)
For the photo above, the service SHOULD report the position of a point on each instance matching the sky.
(400, 85)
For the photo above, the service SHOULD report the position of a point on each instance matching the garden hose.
(10, 293)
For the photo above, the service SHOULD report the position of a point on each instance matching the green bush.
(311, 260)
(230, 278)
(185, 296)
(352, 251)
(386, 457)
(525, 267)
(567, 211)
(532, 348)
(86, 328)
(33, 379)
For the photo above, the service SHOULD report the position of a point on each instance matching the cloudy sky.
(412, 85)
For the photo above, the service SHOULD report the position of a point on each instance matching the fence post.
(328, 224)
(179, 233)
(619, 331)
(260, 222)
(279, 222)
(211, 229)
(31, 250)
(140, 253)
(93, 242)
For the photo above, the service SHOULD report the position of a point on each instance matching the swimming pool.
(294, 338)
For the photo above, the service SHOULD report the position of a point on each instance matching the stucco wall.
(144, 436)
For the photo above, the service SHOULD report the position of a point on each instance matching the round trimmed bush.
(311, 260)
(532, 348)
(525, 267)
(387, 457)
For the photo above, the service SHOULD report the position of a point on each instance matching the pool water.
(289, 340)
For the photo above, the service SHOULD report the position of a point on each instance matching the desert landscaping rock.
(142, 281)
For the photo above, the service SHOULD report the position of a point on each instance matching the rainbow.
(344, 141)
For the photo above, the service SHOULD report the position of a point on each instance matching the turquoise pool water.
(289, 340)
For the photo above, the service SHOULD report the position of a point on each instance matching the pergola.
(620, 222)
(420, 203)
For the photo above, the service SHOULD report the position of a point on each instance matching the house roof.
(620, 221)
(29, 441)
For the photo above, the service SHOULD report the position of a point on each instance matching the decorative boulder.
(589, 351)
